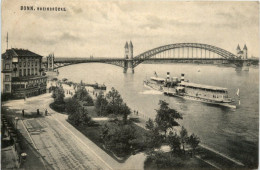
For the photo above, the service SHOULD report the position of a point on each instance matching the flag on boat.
(237, 92)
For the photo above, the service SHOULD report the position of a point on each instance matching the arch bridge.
(180, 52)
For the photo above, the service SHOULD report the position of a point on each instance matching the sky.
(101, 28)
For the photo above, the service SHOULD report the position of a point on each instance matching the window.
(36, 63)
(32, 63)
(24, 64)
(20, 73)
(7, 87)
(28, 63)
(32, 72)
(24, 72)
(20, 63)
(36, 73)
(7, 77)
(28, 72)
(7, 66)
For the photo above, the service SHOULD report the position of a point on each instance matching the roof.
(240, 52)
(126, 45)
(238, 47)
(201, 86)
(157, 79)
(14, 52)
(130, 44)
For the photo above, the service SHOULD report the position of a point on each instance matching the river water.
(233, 132)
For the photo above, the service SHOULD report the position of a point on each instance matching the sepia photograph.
(129, 85)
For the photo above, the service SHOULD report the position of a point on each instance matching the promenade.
(59, 144)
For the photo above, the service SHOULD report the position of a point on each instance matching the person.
(46, 112)
(23, 112)
(137, 112)
(38, 111)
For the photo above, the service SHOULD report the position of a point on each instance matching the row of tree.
(78, 115)
(112, 104)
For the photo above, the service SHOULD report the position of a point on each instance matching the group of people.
(69, 92)
(38, 112)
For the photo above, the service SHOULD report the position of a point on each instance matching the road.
(60, 144)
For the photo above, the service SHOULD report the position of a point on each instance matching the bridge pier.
(128, 64)
(125, 70)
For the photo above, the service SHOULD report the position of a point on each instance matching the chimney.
(168, 76)
(182, 77)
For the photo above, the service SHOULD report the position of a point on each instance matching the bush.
(77, 114)
(118, 138)
(58, 107)
(88, 99)
(164, 160)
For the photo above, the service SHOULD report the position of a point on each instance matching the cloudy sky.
(101, 28)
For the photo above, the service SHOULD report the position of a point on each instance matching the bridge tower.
(245, 52)
(129, 55)
(50, 62)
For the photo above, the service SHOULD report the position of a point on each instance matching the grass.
(93, 133)
(176, 162)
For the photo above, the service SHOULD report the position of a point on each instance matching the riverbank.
(205, 154)
(40, 102)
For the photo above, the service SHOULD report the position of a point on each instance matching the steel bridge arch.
(148, 54)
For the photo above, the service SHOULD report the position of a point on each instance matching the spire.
(238, 47)
(245, 47)
(126, 45)
(130, 44)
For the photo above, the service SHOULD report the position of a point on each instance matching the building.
(22, 74)
(242, 53)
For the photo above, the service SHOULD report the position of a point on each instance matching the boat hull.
(185, 96)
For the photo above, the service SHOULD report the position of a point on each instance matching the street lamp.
(16, 121)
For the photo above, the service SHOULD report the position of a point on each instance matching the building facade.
(22, 74)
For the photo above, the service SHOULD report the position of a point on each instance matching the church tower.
(245, 52)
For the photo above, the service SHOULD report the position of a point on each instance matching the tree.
(174, 141)
(81, 93)
(58, 95)
(101, 104)
(77, 114)
(153, 139)
(183, 137)
(194, 141)
(166, 117)
(149, 125)
(118, 138)
(115, 101)
(125, 111)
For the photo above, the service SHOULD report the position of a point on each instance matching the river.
(233, 132)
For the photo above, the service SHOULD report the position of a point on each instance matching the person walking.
(46, 112)
(38, 111)
(23, 112)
